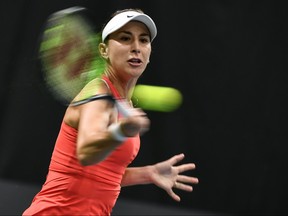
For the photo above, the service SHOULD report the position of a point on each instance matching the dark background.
(229, 60)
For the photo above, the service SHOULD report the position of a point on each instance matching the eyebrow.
(128, 32)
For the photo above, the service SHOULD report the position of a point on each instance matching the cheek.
(116, 56)
(118, 53)
(147, 56)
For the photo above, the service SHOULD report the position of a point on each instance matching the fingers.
(186, 167)
(176, 158)
(184, 187)
(187, 179)
(135, 124)
(182, 183)
(173, 195)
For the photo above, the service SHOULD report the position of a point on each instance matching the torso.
(71, 188)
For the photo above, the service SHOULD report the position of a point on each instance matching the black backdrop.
(228, 58)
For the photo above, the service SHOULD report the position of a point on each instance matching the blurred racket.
(70, 59)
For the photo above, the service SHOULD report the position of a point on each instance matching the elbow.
(92, 153)
(83, 160)
(87, 160)
(84, 155)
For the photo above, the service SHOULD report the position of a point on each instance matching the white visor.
(123, 18)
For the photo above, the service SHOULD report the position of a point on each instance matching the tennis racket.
(70, 59)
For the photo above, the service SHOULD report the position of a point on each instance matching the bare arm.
(96, 139)
(164, 175)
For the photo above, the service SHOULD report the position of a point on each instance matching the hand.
(138, 122)
(167, 176)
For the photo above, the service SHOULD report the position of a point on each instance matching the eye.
(124, 38)
(145, 40)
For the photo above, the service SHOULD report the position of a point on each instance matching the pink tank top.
(73, 189)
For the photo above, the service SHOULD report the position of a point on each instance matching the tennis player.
(96, 144)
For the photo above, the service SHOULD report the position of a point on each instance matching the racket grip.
(124, 108)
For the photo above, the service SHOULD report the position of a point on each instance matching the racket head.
(69, 54)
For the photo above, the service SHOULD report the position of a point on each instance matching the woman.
(96, 143)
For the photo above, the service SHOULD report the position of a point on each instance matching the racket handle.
(123, 107)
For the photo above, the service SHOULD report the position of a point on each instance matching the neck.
(125, 87)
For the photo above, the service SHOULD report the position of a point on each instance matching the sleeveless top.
(73, 189)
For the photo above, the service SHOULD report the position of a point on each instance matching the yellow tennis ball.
(157, 98)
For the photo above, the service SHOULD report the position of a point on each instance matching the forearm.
(97, 146)
(96, 151)
(137, 176)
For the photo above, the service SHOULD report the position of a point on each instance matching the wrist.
(150, 172)
(116, 132)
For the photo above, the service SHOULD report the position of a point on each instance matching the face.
(128, 50)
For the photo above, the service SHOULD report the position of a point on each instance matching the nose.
(135, 47)
(135, 51)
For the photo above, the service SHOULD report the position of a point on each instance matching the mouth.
(135, 61)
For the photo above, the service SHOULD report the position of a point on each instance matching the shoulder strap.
(111, 87)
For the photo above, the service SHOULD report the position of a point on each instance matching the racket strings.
(69, 55)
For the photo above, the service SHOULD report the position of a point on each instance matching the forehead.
(133, 26)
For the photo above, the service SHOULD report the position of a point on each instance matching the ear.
(103, 50)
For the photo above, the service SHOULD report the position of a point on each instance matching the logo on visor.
(129, 16)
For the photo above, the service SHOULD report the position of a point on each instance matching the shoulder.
(93, 88)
